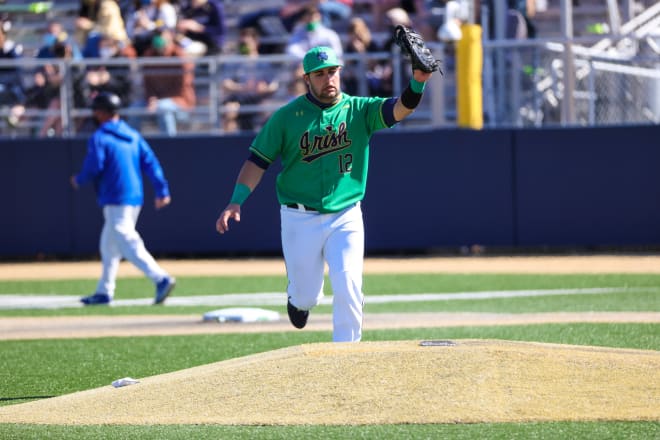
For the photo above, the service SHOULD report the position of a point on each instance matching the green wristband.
(241, 193)
(416, 86)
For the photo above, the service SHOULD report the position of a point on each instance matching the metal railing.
(523, 86)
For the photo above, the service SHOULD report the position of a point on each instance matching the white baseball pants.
(120, 239)
(309, 240)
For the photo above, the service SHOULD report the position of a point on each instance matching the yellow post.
(469, 64)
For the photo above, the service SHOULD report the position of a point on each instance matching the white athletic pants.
(120, 239)
(309, 240)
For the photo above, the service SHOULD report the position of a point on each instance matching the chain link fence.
(525, 85)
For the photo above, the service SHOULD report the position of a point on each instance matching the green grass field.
(37, 369)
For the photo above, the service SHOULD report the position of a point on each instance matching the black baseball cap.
(106, 101)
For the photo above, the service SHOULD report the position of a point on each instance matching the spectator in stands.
(202, 26)
(96, 18)
(289, 14)
(12, 95)
(360, 42)
(55, 32)
(274, 23)
(148, 17)
(249, 83)
(417, 11)
(311, 32)
(334, 11)
(111, 78)
(169, 88)
(44, 93)
(393, 18)
(383, 81)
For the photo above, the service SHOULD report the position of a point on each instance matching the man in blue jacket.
(117, 155)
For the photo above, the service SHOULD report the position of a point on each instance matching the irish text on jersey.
(328, 143)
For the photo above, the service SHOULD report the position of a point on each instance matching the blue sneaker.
(96, 299)
(163, 289)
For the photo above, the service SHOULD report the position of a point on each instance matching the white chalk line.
(36, 301)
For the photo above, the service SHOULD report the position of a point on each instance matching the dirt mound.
(378, 383)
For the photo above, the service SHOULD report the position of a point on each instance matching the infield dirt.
(468, 381)
(381, 382)
(275, 266)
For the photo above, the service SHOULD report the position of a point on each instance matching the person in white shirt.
(311, 32)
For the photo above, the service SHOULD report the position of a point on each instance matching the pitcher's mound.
(379, 383)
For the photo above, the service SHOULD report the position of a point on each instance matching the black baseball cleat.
(297, 317)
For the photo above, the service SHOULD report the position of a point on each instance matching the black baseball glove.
(412, 44)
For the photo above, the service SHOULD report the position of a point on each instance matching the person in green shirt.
(322, 139)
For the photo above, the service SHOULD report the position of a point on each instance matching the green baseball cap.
(320, 57)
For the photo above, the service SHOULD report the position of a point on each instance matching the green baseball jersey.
(324, 152)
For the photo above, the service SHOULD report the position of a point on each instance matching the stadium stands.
(591, 18)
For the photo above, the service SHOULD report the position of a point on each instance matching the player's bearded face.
(324, 84)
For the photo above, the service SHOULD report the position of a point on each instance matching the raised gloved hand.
(412, 45)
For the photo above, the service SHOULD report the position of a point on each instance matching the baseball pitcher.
(322, 139)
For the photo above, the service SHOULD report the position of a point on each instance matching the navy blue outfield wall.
(582, 187)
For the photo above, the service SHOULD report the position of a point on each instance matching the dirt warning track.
(462, 381)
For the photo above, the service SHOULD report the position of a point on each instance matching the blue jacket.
(117, 155)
